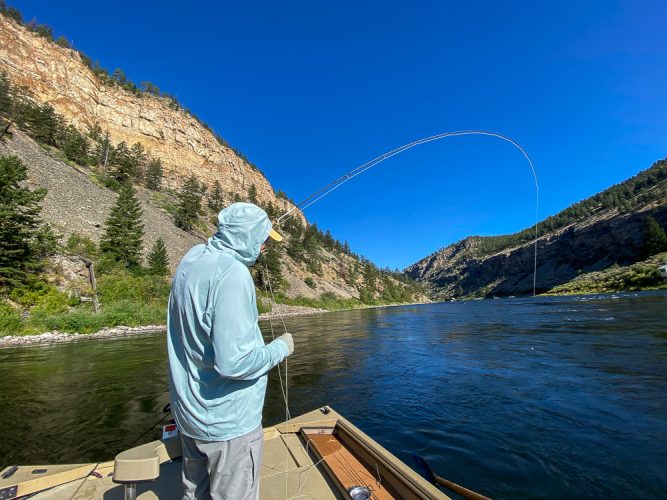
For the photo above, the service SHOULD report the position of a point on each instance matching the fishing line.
(284, 389)
(332, 186)
(273, 337)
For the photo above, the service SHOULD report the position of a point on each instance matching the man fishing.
(218, 361)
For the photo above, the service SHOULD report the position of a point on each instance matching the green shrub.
(263, 307)
(81, 245)
(124, 285)
(310, 282)
(84, 320)
(77, 321)
(10, 320)
(41, 296)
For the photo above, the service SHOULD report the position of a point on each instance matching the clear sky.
(308, 90)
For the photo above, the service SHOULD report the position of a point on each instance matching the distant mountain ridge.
(591, 235)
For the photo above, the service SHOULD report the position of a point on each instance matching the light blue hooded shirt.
(218, 361)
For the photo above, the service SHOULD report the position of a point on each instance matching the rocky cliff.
(78, 201)
(76, 204)
(592, 242)
(58, 76)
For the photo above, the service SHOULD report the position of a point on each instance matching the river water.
(527, 397)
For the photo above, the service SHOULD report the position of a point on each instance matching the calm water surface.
(545, 397)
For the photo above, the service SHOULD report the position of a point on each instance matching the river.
(559, 397)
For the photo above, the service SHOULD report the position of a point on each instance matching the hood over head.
(242, 228)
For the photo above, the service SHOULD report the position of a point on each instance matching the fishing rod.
(335, 184)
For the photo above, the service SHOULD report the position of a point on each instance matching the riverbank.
(56, 337)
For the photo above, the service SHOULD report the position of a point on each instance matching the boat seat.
(142, 464)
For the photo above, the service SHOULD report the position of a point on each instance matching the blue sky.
(310, 90)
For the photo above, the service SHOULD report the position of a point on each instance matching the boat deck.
(299, 459)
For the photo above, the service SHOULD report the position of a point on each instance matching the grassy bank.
(639, 276)
(126, 298)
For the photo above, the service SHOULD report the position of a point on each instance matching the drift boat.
(317, 455)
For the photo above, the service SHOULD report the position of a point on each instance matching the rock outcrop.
(592, 244)
(58, 76)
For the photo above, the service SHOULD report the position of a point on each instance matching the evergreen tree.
(311, 240)
(119, 76)
(154, 174)
(367, 293)
(75, 145)
(158, 260)
(655, 238)
(19, 218)
(63, 42)
(124, 231)
(270, 271)
(6, 93)
(95, 132)
(295, 246)
(124, 165)
(215, 199)
(46, 241)
(104, 151)
(271, 210)
(150, 88)
(138, 155)
(44, 123)
(15, 14)
(328, 240)
(189, 207)
(252, 194)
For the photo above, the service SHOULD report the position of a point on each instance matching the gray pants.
(224, 470)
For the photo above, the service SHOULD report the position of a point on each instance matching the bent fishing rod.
(335, 184)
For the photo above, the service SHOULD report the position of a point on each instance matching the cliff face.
(593, 244)
(58, 76)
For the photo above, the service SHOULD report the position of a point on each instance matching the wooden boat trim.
(404, 480)
(25, 482)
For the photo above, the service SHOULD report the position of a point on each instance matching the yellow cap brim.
(275, 236)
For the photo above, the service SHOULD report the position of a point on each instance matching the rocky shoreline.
(55, 337)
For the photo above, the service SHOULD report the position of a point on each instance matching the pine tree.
(367, 293)
(154, 174)
(158, 260)
(138, 155)
(252, 194)
(124, 231)
(19, 218)
(119, 76)
(104, 151)
(655, 237)
(189, 207)
(270, 271)
(311, 240)
(295, 245)
(75, 145)
(44, 122)
(215, 199)
(271, 210)
(124, 165)
(6, 94)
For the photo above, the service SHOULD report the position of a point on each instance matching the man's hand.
(287, 338)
